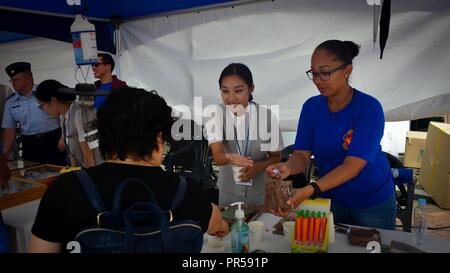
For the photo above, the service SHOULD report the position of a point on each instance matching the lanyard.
(64, 123)
(247, 135)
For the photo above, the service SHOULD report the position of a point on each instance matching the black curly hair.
(129, 122)
(345, 51)
(48, 89)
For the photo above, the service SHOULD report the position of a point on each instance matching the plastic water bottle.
(420, 222)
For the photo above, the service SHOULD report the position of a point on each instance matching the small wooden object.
(21, 164)
(362, 236)
(44, 174)
(18, 191)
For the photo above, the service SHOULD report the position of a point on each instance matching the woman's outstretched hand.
(240, 160)
(278, 171)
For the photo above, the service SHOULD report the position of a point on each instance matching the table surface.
(274, 243)
(19, 191)
(20, 219)
(22, 216)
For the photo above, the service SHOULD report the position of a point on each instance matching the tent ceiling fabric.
(185, 53)
(12, 36)
(276, 39)
(53, 27)
(110, 8)
(32, 17)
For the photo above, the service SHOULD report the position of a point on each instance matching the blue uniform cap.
(16, 68)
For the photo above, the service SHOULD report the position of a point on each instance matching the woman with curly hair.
(133, 126)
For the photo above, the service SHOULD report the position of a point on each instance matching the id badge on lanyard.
(237, 169)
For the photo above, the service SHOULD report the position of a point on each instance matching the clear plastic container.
(420, 222)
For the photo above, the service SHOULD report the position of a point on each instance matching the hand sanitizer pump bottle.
(239, 231)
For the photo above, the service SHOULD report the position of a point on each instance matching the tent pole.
(376, 16)
(117, 36)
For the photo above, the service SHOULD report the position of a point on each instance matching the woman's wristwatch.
(317, 190)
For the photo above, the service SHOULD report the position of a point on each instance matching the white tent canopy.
(182, 55)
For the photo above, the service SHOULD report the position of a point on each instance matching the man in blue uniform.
(40, 132)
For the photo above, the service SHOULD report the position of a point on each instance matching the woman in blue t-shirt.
(342, 128)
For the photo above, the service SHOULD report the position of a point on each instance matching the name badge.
(244, 183)
(16, 108)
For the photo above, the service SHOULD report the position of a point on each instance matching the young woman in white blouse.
(236, 141)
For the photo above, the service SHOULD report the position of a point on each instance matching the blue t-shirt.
(356, 130)
(100, 99)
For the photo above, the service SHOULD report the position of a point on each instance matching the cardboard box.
(435, 168)
(436, 182)
(414, 148)
(437, 148)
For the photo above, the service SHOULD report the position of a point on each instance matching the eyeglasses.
(166, 148)
(325, 75)
(41, 106)
(98, 64)
(15, 80)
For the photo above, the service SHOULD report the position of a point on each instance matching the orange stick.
(317, 228)
(323, 226)
(298, 226)
(311, 227)
(305, 227)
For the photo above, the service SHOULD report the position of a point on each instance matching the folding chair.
(404, 196)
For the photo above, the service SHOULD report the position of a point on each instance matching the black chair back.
(190, 157)
(404, 195)
(302, 179)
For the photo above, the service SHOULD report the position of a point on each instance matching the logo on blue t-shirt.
(347, 139)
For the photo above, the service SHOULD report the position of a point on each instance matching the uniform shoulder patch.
(10, 96)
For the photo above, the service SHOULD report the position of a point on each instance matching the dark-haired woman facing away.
(342, 127)
(133, 125)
